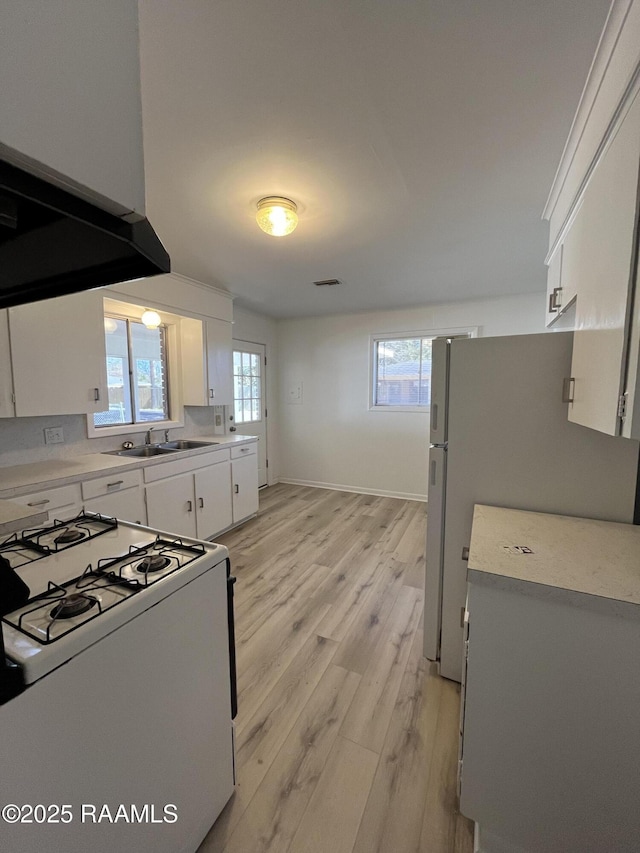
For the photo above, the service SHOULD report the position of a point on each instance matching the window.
(401, 369)
(247, 387)
(136, 374)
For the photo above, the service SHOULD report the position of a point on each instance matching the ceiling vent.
(328, 282)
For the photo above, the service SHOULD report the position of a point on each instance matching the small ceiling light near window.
(277, 216)
(151, 319)
(110, 325)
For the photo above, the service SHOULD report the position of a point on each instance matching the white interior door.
(249, 398)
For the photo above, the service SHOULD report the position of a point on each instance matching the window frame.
(377, 337)
(174, 400)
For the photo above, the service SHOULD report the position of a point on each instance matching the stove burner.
(73, 605)
(154, 563)
(70, 535)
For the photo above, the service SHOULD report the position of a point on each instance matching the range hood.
(53, 243)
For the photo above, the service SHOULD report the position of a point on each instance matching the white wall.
(331, 438)
(263, 330)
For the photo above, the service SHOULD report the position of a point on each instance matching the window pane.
(255, 410)
(255, 364)
(403, 372)
(119, 411)
(237, 362)
(246, 410)
(246, 363)
(238, 411)
(149, 373)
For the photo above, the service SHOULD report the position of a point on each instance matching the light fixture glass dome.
(277, 216)
(151, 319)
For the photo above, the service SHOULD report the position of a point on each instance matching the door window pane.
(247, 385)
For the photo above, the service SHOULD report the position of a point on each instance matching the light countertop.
(19, 480)
(576, 555)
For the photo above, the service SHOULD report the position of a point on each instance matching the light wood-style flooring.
(346, 736)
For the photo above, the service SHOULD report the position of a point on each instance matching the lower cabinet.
(63, 502)
(244, 474)
(196, 504)
(118, 495)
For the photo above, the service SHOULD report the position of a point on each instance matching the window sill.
(422, 409)
(127, 429)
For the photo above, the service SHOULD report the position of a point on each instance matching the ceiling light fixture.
(277, 216)
(151, 319)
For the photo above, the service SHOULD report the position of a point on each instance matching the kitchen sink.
(186, 444)
(144, 451)
(147, 450)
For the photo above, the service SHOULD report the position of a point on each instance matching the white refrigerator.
(500, 436)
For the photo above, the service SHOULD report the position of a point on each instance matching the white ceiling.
(419, 139)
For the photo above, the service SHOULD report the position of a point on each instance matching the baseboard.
(358, 490)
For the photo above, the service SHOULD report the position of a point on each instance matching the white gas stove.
(87, 576)
(119, 643)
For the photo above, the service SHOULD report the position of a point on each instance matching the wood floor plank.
(439, 823)
(264, 734)
(370, 713)
(393, 817)
(272, 818)
(330, 822)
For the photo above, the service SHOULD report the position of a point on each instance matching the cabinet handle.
(556, 299)
(568, 388)
(115, 483)
(39, 503)
(201, 502)
(212, 393)
(96, 395)
(244, 450)
(189, 506)
(236, 489)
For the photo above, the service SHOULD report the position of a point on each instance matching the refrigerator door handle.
(434, 416)
(433, 472)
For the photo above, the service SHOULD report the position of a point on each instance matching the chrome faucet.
(147, 438)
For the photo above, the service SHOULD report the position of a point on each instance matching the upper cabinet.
(71, 109)
(58, 355)
(206, 362)
(592, 211)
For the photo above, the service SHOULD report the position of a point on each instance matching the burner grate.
(59, 535)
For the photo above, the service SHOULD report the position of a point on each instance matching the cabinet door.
(245, 487)
(58, 354)
(126, 506)
(6, 378)
(599, 257)
(219, 363)
(171, 505)
(213, 499)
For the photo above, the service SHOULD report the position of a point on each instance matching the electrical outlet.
(54, 435)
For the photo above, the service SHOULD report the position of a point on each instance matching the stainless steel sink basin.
(186, 444)
(145, 451)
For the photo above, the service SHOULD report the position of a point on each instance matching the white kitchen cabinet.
(213, 499)
(71, 113)
(244, 474)
(195, 503)
(62, 502)
(599, 257)
(7, 409)
(171, 505)
(550, 749)
(58, 356)
(207, 378)
(119, 495)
